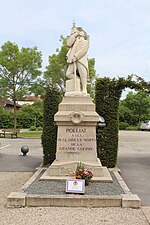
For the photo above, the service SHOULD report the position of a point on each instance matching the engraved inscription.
(76, 130)
(67, 170)
(64, 170)
(76, 140)
(76, 108)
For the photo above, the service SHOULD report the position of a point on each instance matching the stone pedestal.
(76, 139)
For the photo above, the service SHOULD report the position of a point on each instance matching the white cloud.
(119, 30)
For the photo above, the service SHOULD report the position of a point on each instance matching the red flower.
(82, 172)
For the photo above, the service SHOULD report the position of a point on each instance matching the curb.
(146, 212)
(22, 199)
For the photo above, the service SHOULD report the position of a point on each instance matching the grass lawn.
(30, 134)
(27, 134)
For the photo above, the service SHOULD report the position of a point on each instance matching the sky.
(119, 30)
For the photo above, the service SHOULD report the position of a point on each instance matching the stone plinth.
(76, 139)
(130, 201)
(16, 199)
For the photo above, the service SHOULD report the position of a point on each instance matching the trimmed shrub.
(107, 97)
(49, 135)
(39, 128)
(32, 128)
(123, 125)
(132, 128)
(108, 93)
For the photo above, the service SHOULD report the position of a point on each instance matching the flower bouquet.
(83, 173)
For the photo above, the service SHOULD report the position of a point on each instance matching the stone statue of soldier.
(78, 43)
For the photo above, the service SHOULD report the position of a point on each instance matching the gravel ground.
(58, 187)
(58, 215)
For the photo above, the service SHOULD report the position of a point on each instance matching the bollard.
(24, 150)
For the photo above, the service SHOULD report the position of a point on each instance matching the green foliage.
(18, 68)
(55, 73)
(25, 120)
(39, 129)
(81, 166)
(108, 93)
(27, 116)
(123, 125)
(6, 119)
(132, 128)
(92, 77)
(107, 103)
(126, 115)
(37, 88)
(83, 173)
(32, 128)
(49, 136)
(135, 108)
(30, 134)
(30, 115)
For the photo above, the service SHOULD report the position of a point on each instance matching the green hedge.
(30, 115)
(27, 116)
(49, 135)
(6, 119)
(133, 128)
(107, 97)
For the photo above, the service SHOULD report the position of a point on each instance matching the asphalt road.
(133, 159)
(134, 162)
(11, 158)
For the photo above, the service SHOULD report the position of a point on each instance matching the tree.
(55, 73)
(92, 77)
(18, 68)
(126, 115)
(135, 107)
(38, 88)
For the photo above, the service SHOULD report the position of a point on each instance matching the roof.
(4, 103)
(11, 103)
(32, 98)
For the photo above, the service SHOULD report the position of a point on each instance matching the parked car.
(145, 125)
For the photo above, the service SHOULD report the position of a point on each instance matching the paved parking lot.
(11, 158)
(134, 162)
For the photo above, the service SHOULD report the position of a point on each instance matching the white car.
(145, 125)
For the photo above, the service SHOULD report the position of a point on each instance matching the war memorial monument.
(76, 118)
(76, 142)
